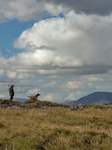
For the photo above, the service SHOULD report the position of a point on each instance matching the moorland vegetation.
(32, 126)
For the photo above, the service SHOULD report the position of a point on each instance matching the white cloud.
(11, 74)
(54, 9)
(80, 43)
(74, 85)
(77, 46)
(49, 97)
(95, 79)
(20, 9)
(25, 10)
(34, 91)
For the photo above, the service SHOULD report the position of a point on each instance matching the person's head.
(12, 85)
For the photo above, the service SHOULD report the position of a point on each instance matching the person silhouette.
(11, 92)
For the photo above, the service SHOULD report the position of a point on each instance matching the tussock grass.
(87, 129)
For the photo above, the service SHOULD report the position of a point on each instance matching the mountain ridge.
(94, 98)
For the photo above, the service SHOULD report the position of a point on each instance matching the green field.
(56, 129)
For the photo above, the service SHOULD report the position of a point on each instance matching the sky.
(61, 49)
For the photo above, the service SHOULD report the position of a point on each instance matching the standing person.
(11, 92)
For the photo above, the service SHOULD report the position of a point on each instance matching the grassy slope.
(32, 103)
(87, 129)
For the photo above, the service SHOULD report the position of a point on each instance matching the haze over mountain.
(20, 99)
(94, 98)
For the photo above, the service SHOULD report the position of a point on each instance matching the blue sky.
(60, 49)
(10, 30)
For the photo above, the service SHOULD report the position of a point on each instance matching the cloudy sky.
(61, 49)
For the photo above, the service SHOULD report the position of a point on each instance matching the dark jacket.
(11, 91)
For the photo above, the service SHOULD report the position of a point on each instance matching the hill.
(51, 129)
(94, 98)
(30, 104)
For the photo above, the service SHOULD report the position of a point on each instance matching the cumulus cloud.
(49, 97)
(77, 44)
(54, 9)
(11, 74)
(73, 45)
(25, 10)
(82, 45)
(20, 9)
(34, 91)
(73, 85)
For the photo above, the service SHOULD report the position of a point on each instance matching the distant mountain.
(67, 102)
(94, 98)
(110, 103)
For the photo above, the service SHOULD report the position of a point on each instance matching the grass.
(32, 103)
(52, 129)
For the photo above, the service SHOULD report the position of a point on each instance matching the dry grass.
(87, 129)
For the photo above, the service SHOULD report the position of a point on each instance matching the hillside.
(50, 129)
(29, 104)
(94, 98)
